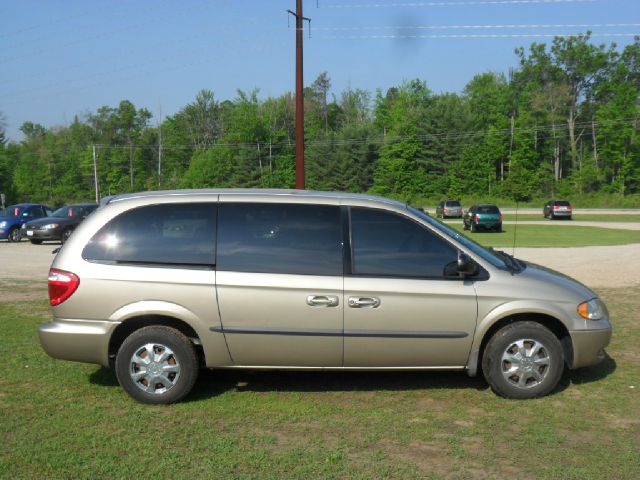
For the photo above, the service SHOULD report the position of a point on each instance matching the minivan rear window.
(452, 204)
(488, 209)
(562, 203)
(280, 238)
(163, 234)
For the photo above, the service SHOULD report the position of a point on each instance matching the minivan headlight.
(49, 226)
(594, 309)
(3, 224)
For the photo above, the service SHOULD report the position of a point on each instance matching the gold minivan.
(159, 284)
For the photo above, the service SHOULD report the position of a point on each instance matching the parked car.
(483, 217)
(449, 209)
(156, 285)
(14, 216)
(554, 209)
(59, 225)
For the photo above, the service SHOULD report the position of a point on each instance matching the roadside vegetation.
(70, 420)
(563, 124)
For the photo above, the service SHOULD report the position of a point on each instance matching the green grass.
(552, 236)
(70, 420)
(578, 217)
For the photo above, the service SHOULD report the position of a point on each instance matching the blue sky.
(65, 58)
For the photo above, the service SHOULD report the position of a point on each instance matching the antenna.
(515, 229)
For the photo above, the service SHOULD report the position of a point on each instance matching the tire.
(14, 235)
(474, 227)
(65, 235)
(498, 228)
(535, 377)
(551, 217)
(465, 226)
(36, 242)
(181, 363)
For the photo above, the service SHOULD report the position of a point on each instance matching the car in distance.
(59, 225)
(157, 284)
(14, 216)
(555, 209)
(449, 209)
(483, 216)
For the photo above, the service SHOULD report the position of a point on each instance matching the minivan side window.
(387, 244)
(163, 234)
(296, 239)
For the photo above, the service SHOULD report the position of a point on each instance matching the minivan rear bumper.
(588, 346)
(77, 340)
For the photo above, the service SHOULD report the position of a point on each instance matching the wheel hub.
(154, 368)
(525, 363)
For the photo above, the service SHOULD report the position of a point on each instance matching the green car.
(483, 216)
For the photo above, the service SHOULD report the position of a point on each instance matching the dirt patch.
(612, 266)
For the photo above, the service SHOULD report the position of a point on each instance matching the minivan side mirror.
(466, 265)
(463, 267)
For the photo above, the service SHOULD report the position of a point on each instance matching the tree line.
(564, 122)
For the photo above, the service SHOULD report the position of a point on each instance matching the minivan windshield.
(12, 211)
(475, 247)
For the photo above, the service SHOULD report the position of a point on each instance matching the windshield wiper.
(512, 262)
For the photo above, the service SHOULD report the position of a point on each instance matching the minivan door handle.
(322, 300)
(364, 302)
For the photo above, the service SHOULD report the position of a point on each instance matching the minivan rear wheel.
(157, 365)
(523, 360)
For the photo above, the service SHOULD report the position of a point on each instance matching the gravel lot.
(611, 266)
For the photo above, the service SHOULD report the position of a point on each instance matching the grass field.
(578, 217)
(70, 420)
(551, 236)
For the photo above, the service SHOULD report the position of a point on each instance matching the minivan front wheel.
(523, 360)
(157, 364)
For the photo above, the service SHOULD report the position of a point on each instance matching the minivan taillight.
(62, 284)
(476, 217)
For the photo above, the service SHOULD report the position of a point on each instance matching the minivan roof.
(249, 191)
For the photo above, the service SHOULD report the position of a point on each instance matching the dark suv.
(554, 209)
(483, 216)
(59, 225)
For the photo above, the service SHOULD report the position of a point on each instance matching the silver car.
(157, 285)
(449, 209)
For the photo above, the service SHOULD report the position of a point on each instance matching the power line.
(471, 35)
(370, 140)
(451, 4)
(488, 27)
(378, 139)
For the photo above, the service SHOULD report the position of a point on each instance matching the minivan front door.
(279, 283)
(400, 308)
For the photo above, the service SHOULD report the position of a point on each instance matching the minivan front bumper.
(77, 340)
(588, 346)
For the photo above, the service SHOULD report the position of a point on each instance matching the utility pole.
(95, 173)
(299, 96)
